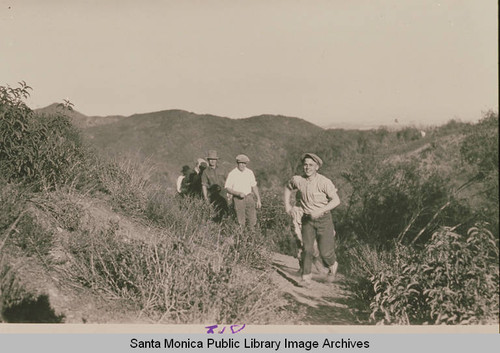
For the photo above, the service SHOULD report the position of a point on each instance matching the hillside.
(172, 138)
(79, 119)
(86, 240)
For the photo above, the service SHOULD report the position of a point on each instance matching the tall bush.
(43, 151)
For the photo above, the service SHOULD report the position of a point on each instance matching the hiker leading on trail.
(317, 196)
(212, 183)
(242, 185)
(181, 184)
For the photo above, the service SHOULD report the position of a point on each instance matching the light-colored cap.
(241, 158)
(314, 157)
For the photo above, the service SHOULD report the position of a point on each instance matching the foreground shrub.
(452, 281)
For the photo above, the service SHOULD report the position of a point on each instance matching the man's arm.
(286, 198)
(229, 187)
(205, 192)
(334, 202)
(235, 193)
(179, 183)
(255, 190)
(204, 184)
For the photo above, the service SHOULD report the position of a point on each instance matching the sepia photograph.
(231, 164)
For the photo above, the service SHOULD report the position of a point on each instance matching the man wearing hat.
(242, 185)
(318, 196)
(212, 183)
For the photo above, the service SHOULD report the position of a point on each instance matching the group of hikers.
(316, 196)
(238, 189)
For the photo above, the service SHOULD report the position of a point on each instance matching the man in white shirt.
(242, 185)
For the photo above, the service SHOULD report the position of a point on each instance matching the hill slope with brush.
(80, 234)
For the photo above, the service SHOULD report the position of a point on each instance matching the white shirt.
(179, 182)
(241, 181)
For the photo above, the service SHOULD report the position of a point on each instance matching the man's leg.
(326, 240)
(326, 244)
(308, 236)
(239, 208)
(251, 211)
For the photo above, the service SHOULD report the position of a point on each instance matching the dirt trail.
(325, 303)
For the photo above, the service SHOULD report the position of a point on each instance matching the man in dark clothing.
(212, 183)
(184, 181)
(196, 188)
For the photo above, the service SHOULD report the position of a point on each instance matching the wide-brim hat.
(314, 157)
(241, 158)
(185, 169)
(212, 154)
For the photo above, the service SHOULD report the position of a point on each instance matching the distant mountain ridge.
(173, 138)
(79, 119)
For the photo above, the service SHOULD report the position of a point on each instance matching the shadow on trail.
(324, 303)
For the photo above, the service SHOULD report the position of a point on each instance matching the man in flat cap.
(317, 196)
(212, 183)
(242, 185)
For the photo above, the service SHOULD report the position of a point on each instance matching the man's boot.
(332, 272)
(318, 264)
(306, 280)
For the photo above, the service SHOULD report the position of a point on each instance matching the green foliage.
(275, 224)
(126, 180)
(398, 200)
(408, 134)
(480, 147)
(44, 151)
(452, 281)
(12, 203)
(479, 150)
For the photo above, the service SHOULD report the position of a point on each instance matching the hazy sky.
(321, 60)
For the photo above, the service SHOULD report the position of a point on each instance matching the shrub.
(451, 281)
(275, 224)
(396, 200)
(44, 151)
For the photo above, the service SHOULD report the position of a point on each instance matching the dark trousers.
(322, 230)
